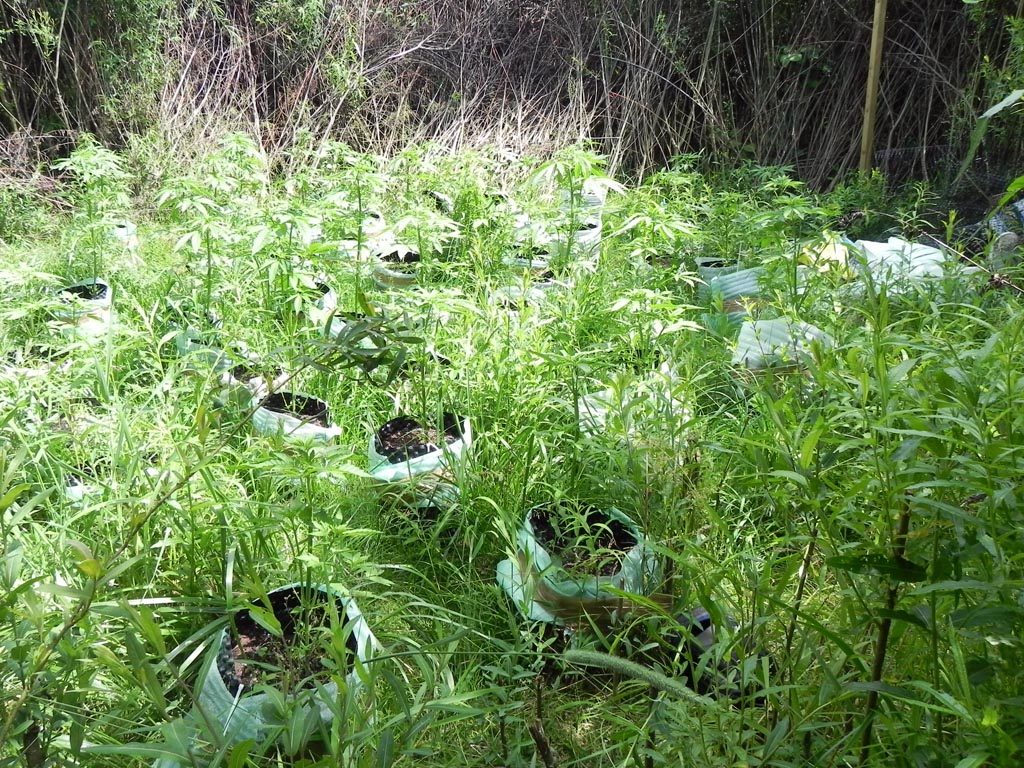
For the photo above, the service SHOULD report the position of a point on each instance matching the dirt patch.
(307, 409)
(586, 539)
(404, 438)
(254, 656)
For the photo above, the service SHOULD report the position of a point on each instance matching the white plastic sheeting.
(762, 343)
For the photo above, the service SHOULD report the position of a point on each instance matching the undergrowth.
(850, 525)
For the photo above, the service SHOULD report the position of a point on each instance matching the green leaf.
(957, 586)
(975, 760)
(979, 131)
(12, 495)
(1016, 186)
(899, 372)
(91, 567)
(898, 569)
(785, 474)
(266, 619)
(810, 442)
(906, 616)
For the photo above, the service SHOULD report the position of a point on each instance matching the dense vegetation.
(849, 518)
(769, 81)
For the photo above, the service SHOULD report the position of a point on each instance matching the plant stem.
(899, 549)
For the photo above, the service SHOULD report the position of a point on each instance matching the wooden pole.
(867, 139)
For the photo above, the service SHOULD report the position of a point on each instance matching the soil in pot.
(308, 409)
(587, 540)
(246, 371)
(87, 291)
(399, 261)
(254, 656)
(404, 438)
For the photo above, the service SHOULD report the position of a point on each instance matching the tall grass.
(851, 527)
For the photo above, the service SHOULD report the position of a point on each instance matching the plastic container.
(86, 311)
(295, 416)
(240, 714)
(897, 262)
(422, 459)
(543, 590)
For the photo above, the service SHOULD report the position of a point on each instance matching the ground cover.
(846, 517)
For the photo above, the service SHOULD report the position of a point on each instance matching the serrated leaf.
(259, 242)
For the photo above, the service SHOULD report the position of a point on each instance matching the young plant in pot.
(534, 257)
(247, 373)
(293, 646)
(712, 658)
(99, 191)
(710, 267)
(569, 557)
(417, 458)
(85, 310)
(533, 290)
(396, 266)
(293, 415)
(407, 449)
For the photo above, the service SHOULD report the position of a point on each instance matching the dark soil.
(88, 292)
(306, 408)
(254, 656)
(404, 438)
(401, 262)
(544, 277)
(246, 371)
(586, 539)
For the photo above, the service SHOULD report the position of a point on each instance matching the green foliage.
(851, 526)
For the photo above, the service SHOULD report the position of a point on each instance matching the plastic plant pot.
(226, 692)
(86, 310)
(248, 374)
(295, 416)
(535, 258)
(552, 578)
(77, 491)
(710, 267)
(535, 293)
(765, 343)
(442, 202)
(326, 305)
(403, 449)
(189, 344)
(373, 224)
(588, 237)
(127, 234)
(396, 267)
